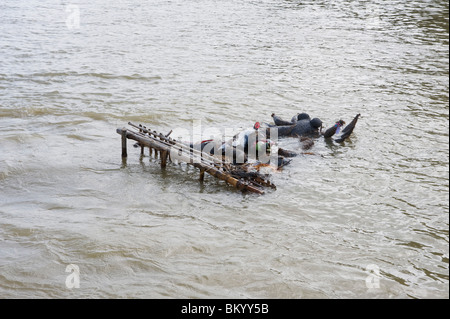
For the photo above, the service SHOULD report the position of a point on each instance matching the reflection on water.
(375, 207)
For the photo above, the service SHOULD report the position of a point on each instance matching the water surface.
(366, 219)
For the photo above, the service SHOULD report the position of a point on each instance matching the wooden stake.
(164, 155)
(142, 146)
(124, 142)
(160, 146)
(202, 175)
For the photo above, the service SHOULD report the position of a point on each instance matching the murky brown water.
(367, 219)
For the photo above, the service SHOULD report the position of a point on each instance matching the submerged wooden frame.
(163, 146)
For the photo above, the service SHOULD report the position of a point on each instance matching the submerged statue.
(258, 144)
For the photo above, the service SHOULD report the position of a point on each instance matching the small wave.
(109, 76)
(3, 175)
(96, 116)
(79, 137)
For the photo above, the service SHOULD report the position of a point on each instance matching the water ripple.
(379, 199)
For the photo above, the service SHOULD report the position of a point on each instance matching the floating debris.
(245, 177)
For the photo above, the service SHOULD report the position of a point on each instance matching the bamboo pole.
(142, 140)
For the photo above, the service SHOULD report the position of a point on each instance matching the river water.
(365, 219)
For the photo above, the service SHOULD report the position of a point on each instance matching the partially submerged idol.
(258, 145)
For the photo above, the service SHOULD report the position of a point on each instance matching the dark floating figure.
(301, 125)
(248, 145)
(299, 117)
(305, 128)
